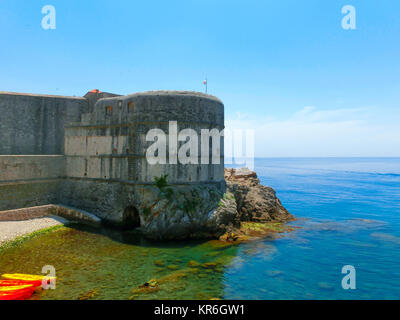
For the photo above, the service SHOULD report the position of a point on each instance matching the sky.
(285, 69)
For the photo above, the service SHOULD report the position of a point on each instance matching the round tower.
(152, 160)
(191, 124)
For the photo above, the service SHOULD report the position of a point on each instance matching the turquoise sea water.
(348, 210)
(352, 217)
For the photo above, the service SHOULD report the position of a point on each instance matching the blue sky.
(285, 68)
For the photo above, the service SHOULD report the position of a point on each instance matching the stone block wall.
(27, 181)
(34, 124)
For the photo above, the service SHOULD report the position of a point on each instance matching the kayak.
(7, 283)
(20, 288)
(19, 292)
(26, 278)
(16, 295)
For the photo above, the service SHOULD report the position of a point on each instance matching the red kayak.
(20, 286)
(19, 292)
(26, 278)
(16, 295)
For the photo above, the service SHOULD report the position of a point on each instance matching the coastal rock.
(255, 202)
(201, 212)
(180, 212)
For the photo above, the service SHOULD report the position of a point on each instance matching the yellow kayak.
(27, 278)
(24, 287)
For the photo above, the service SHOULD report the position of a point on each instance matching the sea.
(346, 245)
(349, 211)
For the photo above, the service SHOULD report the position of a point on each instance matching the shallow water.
(349, 211)
(113, 264)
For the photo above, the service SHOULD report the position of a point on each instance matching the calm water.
(334, 195)
(350, 215)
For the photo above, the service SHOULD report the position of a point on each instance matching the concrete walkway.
(9, 230)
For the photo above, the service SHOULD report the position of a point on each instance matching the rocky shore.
(205, 212)
(249, 209)
(254, 201)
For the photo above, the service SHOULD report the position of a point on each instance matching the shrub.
(161, 182)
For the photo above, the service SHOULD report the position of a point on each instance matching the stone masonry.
(89, 153)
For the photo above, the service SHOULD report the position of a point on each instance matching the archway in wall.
(131, 218)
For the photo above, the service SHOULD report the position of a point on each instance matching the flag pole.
(205, 82)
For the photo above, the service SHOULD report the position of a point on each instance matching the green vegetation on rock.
(161, 182)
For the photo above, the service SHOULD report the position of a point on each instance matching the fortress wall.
(95, 157)
(106, 199)
(98, 149)
(191, 111)
(21, 168)
(28, 194)
(178, 173)
(111, 142)
(34, 124)
(106, 165)
(27, 181)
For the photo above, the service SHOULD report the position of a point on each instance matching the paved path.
(10, 230)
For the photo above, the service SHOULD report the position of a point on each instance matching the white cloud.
(311, 132)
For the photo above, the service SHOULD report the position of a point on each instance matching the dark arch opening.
(131, 218)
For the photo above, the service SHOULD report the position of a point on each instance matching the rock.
(255, 202)
(325, 286)
(274, 273)
(209, 265)
(187, 213)
(386, 237)
(148, 287)
(152, 283)
(344, 226)
(159, 263)
(89, 295)
(225, 217)
(193, 264)
(206, 212)
(173, 267)
(241, 174)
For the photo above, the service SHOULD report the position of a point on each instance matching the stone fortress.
(88, 154)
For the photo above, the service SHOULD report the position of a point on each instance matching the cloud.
(311, 132)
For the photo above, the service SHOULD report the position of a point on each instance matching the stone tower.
(102, 165)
